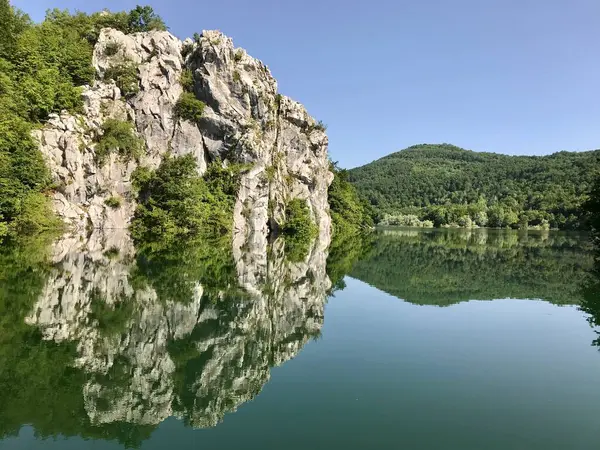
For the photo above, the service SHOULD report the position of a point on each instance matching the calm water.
(406, 339)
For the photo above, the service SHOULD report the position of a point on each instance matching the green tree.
(143, 18)
(174, 201)
(349, 213)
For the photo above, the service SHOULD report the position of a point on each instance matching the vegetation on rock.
(188, 107)
(42, 67)
(124, 74)
(187, 80)
(174, 201)
(349, 213)
(113, 202)
(118, 135)
(452, 186)
(299, 229)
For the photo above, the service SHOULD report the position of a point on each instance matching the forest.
(444, 185)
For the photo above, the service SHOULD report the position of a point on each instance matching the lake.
(406, 338)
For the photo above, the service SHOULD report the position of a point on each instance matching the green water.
(421, 339)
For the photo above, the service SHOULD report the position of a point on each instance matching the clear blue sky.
(507, 76)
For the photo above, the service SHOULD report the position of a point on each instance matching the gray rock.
(245, 120)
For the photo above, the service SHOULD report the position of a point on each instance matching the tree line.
(450, 186)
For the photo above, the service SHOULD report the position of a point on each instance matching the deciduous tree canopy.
(450, 185)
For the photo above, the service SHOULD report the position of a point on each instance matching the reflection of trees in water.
(590, 302)
(115, 343)
(442, 267)
(103, 342)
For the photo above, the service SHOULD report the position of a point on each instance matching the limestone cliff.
(245, 120)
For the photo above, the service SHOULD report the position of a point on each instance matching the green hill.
(447, 185)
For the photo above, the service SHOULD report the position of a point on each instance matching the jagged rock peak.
(245, 120)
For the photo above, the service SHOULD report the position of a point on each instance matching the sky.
(505, 76)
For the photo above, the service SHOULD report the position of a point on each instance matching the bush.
(298, 220)
(120, 136)
(188, 107)
(320, 126)
(299, 229)
(112, 253)
(175, 201)
(35, 215)
(113, 202)
(187, 80)
(125, 76)
(140, 176)
(143, 18)
(112, 48)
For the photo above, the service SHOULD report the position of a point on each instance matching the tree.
(143, 18)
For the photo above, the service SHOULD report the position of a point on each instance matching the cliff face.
(245, 120)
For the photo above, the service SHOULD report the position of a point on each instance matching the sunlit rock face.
(147, 358)
(245, 120)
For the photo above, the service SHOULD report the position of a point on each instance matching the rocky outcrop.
(146, 358)
(245, 120)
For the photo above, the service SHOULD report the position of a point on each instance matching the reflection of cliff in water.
(190, 333)
(442, 267)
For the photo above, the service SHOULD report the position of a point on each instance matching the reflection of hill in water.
(442, 267)
(114, 344)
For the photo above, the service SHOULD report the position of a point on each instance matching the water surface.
(409, 338)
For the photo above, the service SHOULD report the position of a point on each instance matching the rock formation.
(245, 120)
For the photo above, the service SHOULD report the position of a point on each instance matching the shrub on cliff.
(175, 201)
(124, 74)
(118, 135)
(299, 230)
(188, 107)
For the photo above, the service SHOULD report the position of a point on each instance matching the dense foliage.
(299, 229)
(452, 186)
(349, 213)
(188, 107)
(42, 67)
(118, 135)
(175, 202)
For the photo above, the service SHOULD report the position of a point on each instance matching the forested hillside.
(447, 185)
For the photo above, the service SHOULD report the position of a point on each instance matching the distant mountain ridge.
(449, 185)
